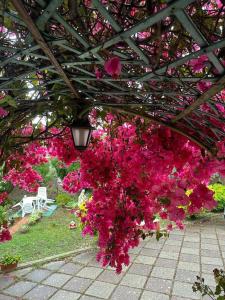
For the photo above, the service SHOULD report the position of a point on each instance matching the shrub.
(3, 215)
(219, 195)
(24, 229)
(8, 259)
(204, 289)
(63, 198)
(35, 217)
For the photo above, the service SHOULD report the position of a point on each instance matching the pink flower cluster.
(137, 172)
(3, 197)
(5, 234)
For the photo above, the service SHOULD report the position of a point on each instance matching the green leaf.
(218, 290)
(220, 298)
(9, 100)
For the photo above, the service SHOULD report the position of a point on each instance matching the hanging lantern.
(81, 132)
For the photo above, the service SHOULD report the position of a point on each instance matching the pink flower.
(98, 73)
(3, 112)
(203, 86)
(198, 63)
(113, 67)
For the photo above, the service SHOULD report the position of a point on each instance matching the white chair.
(27, 206)
(42, 196)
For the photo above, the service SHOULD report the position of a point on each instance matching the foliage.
(63, 199)
(49, 237)
(204, 289)
(3, 215)
(219, 195)
(35, 217)
(9, 259)
(62, 169)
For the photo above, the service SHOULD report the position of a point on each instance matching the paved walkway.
(159, 271)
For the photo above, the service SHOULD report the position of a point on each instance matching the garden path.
(163, 270)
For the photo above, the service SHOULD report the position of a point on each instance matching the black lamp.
(81, 132)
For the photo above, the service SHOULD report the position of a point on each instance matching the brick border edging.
(52, 258)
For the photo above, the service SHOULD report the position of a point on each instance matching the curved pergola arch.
(49, 51)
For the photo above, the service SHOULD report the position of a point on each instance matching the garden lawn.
(50, 236)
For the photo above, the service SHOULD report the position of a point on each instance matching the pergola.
(49, 51)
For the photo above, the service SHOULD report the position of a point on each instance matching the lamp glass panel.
(80, 136)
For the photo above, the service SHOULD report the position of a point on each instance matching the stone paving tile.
(84, 258)
(132, 257)
(209, 246)
(38, 275)
(209, 279)
(211, 261)
(65, 295)
(188, 266)
(20, 288)
(222, 242)
(208, 236)
(186, 276)
(191, 245)
(181, 298)
(159, 285)
(182, 289)
(5, 281)
(54, 265)
(154, 246)
(94, 263)
(167, 263)
(77, 284)
(173, 242)
(40, 292)
(192, 239)
(125, 292)
(57, 279)
(153, 296)
(89, 272)
(133, 280)
(177, 232)
(165, 273)
(169, 248)
(4, 297)
(110, 277)
(209, 241)
(100, 289)
(222, 248)
(209, 268)
(85, 297)
(70, 268)
(142, 259)
(189, 258)
(149, 252)
(210, 253)
(135, 250)
(190, 251)
(140, 269)
(176, 237)
(21, 272)
(169, 255)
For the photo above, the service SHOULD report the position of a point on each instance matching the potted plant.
(9, 262)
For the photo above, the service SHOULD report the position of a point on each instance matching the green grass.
(50, 236)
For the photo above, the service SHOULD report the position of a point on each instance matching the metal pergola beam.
(166, 90)
(216, 88)
(43, 45)
(177, 4)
